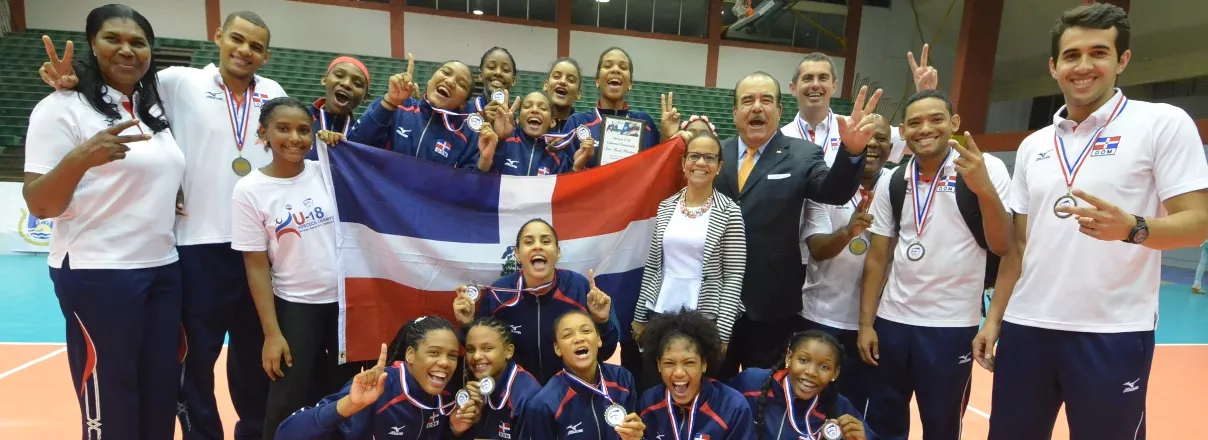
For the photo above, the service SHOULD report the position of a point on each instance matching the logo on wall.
(34, 230)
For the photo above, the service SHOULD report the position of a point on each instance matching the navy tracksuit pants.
(1102, 378)
(935, 365)
(123, 347)
(217, 300)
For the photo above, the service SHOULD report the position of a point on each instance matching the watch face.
(1141, 236)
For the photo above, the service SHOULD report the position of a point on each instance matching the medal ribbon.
(805, 134)
(691, 415)
(602, 390)
(445, 114)
(555, 142)
(323, 122)
(789, 414)
(921, 210)
(440, 401)
(1070, 170)
(518, 291)
(238, 115)
(507, 390)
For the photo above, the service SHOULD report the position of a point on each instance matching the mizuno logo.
(1131, 386)
(397, 430)
(574, 429)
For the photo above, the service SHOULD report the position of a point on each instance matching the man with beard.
(771, 175)
(213, 112)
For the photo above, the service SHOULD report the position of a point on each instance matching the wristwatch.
(1139, 233)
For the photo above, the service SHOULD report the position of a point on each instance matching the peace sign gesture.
(502, 118)
(1102, 219)
(972, 166)
(669, 124)
(107, 145)
(58, 72)
(401, 86)
(599, 304)
(856, 130)
(925, 76)
(366, 388)
(860, 220)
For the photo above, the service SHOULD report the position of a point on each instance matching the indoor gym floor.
(36, 398)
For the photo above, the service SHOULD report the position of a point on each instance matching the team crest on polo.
(1105, 146)
(510, 266)
(33, 230)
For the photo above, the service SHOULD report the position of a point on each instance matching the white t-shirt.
(831, 294)
(196, 104)
(294, 220)
(944, 288)
(683, 260)
(121, 213)
(1147, 154)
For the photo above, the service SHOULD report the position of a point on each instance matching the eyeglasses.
(708, 157)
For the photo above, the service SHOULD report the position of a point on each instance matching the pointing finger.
(671, 100)
(1093, 200)
(958, 147)
(591, 278)
(131, 138)
(68, 53)
(873, 101)
(926, 51)
(971, 145)
(410, 63)
(381, 363)
(663, 102)
(910, 58)
(516, 105)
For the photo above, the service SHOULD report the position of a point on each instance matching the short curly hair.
(699, 330)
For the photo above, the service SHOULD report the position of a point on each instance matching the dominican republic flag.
(411, 231)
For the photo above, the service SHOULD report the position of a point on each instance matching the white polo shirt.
(294, 221)
(1147, 154)
(944, 288)
(831, 294)
(197, 107)
(121, 213)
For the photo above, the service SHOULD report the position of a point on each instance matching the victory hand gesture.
(58, 72)
(401, 86)
(925, 76)
(107, 145)
(856, 130)
(504, 118)
(598, 302)
(972, 166)
(1102, 219)
(860, 220)
(669, 124)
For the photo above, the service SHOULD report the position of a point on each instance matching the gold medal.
(858, 246)
(241, 166)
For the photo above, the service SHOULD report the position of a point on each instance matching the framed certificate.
(621, 138)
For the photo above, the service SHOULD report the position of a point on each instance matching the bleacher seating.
(298, 71)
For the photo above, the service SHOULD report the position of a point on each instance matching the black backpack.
(966, 203)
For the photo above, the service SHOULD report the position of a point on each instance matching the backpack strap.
(897, 194)
(966, 203)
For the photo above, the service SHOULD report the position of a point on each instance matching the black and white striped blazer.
(725, 261)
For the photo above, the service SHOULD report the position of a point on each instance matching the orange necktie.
(748, 163)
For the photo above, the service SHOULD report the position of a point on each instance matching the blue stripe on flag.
(424, 200)
(622, 288)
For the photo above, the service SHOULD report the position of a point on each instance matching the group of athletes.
(170, 235)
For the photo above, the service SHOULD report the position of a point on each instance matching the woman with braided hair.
(505, 386)
(688, 403)
(406, 397)
(799, 388)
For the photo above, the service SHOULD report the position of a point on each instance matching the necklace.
(695, 212)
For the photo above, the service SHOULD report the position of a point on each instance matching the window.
(541, 10)
(674, 17)
(795, 28)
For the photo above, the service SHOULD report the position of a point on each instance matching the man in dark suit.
(771, 175)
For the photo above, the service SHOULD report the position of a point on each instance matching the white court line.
(33, 362)
(53, 344)
(979, 412)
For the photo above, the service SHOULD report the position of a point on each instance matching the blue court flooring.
(29, 312)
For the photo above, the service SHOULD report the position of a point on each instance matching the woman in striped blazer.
(698, 250)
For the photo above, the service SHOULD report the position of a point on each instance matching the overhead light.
(602, 1)
(478, 12)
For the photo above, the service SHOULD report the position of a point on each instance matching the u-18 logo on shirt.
(1105, 146)
(301, 221)
(442, 148)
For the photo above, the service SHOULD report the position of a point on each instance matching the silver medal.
(831, 430)
(486, 385)
(472, 292)
(915, 251)
(614, 415)
(463, 398)
(474, 121)
(500, 97)
(583, 133)
(1066, 200)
